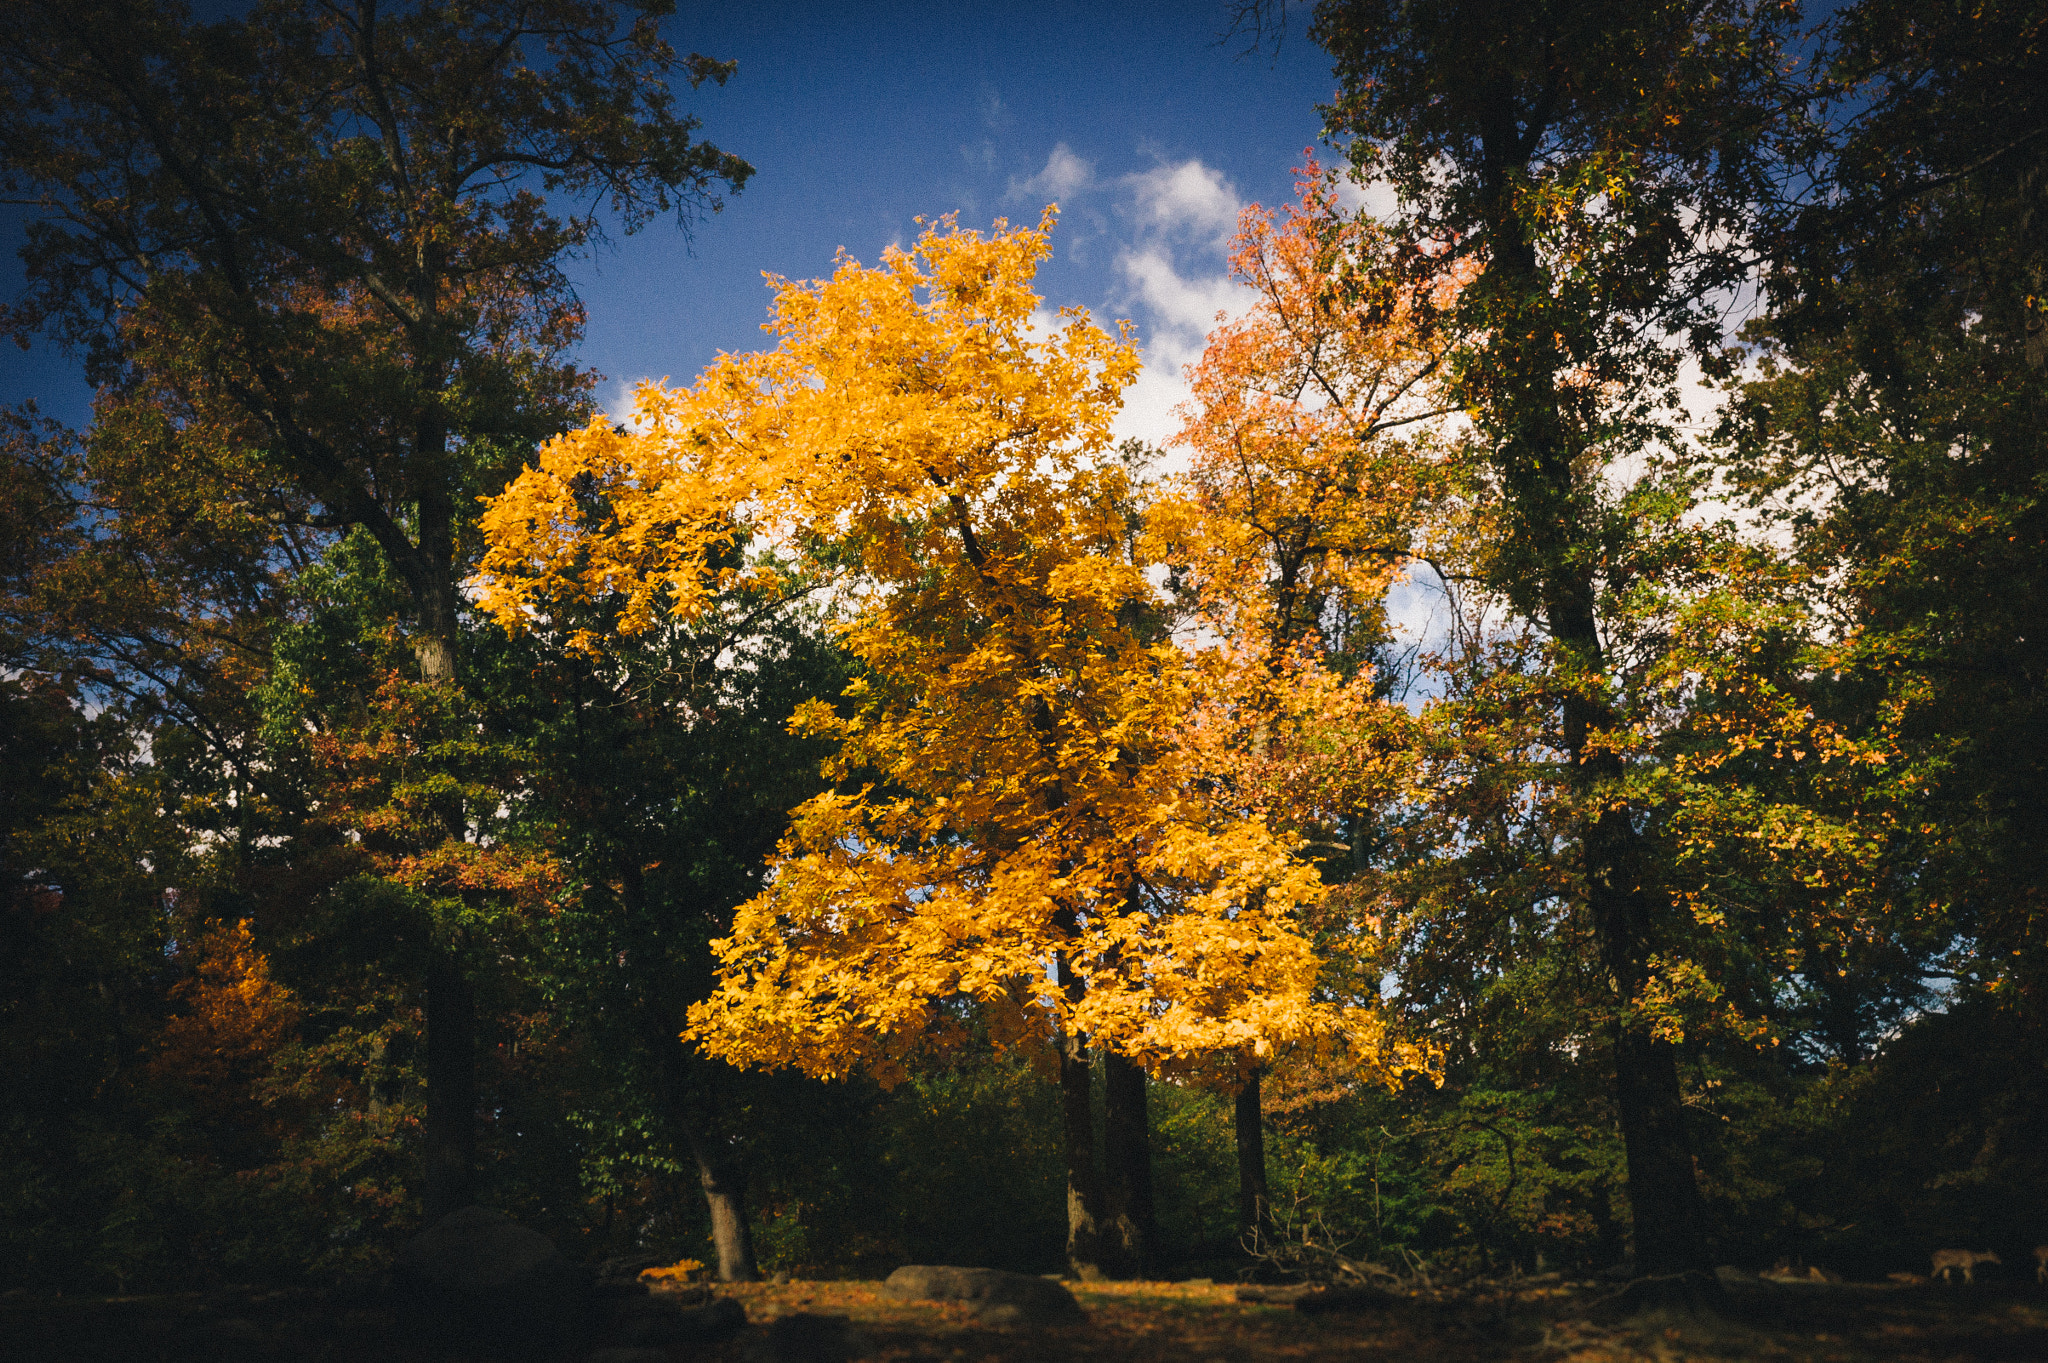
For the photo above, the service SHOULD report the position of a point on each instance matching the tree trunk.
(377, 1077)
(692, 1125)
(434, 591)
(1127, 1154)
(725, 1192)
(1663, 1189)
(1548, 574)
(451, 1003)
(436, 655)
(722, 1178)
(1084, 1189)
(1254, 1205)
(451, 1087)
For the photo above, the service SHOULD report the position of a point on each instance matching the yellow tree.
(1022, 831)
(232, 1021)
(1317, 474)
(1315, 433)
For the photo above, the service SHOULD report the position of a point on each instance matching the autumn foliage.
(233, 1017)
(1464, 805)
(1025, 820)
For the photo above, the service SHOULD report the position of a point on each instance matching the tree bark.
(377, 1077)
(722, 1178)
(1663, 1189)
(1254, 1204)
(434, 591)
(434, 645)
(691, 1121)
(725, 1191)
(451, 1087)
(1084, 1188)
(1548, 573)
(1133, 1232)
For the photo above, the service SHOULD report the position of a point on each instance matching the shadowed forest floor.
(1183, 1322)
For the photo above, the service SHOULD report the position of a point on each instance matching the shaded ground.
(1182, 1322)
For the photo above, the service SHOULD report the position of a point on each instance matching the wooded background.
(861, 813)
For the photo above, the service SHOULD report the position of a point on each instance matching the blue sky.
(858, 119)
(1147, 133)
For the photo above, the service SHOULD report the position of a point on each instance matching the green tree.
(664, 772)
(1597, 162)
(319, 250)
(1892, 431)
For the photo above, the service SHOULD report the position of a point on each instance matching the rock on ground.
(620, 1277)
(479, 1276)
(1336, 1299)
(999, 1298)
(802, 1337)
(659, 1322)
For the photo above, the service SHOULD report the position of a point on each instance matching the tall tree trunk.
(451, 1087)
(1663, 1187)
(433, 582)
(692, 1125)
(724, 1183)
(1254, 1204)
(722, 1178)
(1085, 1220)
(1084, 1188)
(1547, 572)
(377, 1077)
(1133, 1231)
(434, 645)
(451, 1003)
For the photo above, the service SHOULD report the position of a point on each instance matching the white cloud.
(1064, 175)
(1376, 198)
(1147, 412)
(1182, 306)
(995, 114)
(1176, 282)
(1186, 201)
(1418, 607)
(619, 404)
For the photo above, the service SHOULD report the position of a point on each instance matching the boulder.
(998, 1298)
(682, 1294)
(1344, 1299)
(620, 1277)
(661, 1322)
(477, 1276)
(802, 1337)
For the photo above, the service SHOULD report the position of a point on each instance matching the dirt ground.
(1196, 1323)
(1193, 1322)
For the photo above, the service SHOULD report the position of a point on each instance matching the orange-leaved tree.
(1021, 832)
(1317, 473)
(427, 798)
(233, 1019)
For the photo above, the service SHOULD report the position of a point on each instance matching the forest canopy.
(850, 808)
